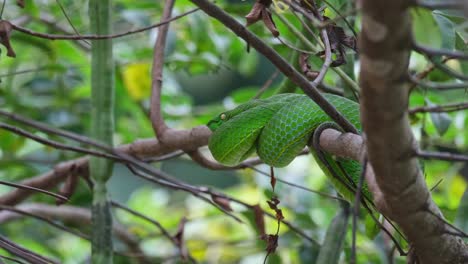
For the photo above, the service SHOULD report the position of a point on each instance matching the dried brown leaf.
(272, 178)
(338, 40)
(272, 243)
(269, 23)
(68, 188)
(5, 31)
(259, 220)
(179, 237)
(273, 203)
(306, 68)
(255, 14)
(20, 3)
(260, 11)
(222, 201)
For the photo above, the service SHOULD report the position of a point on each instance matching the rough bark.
(385, 45)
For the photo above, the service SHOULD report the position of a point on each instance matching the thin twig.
(433, 5)
(48, 129)
(291, 46)
(458, 231)
(441, 156)
(12, 259)
(198, 157)
(30, 188)
(437, 184)
(357, 205)
(300, 186)
(439, 52)
(55, 144)
(69, 20)
(44, 219)
(74, 37)
(144, 217)
(297, 230)
(266, 85)
(24, 253)
(295, 10)
(328, 57)
(168, 156)
(152, 221)
(449, 71)
(439, 108)
(25, 71)
(439, 86)
(3, 9)
(185, 187)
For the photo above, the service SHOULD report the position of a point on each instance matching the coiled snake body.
(278, 129)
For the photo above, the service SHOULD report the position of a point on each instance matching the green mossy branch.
(102, 127)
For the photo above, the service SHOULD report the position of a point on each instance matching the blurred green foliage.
(207, 70)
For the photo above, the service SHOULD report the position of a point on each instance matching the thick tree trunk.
(385, 46)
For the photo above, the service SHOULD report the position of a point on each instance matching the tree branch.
(157, 121)
(385, 45)
(24, 253)
(454, 107)
(70, 214)
(94, 37)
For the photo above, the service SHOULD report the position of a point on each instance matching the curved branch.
(157, 121)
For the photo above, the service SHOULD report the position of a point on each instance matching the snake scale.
(278, 128)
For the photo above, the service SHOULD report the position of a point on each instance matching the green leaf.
(274, 258)
(461, 44)
(10, 143)
(334, 239)
(244, 95)
(447, 30)
(425, 28)
(31, 8)
(308, 253)
(372, 228)
(461, 220)
(441, 121)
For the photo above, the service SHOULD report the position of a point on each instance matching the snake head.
(222, 118)
(216, 122)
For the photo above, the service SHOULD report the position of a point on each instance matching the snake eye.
(223, 116)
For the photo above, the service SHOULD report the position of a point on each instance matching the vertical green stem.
(461, 221)
(334, 239)
(102, 100)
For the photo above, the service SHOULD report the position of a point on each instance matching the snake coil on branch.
(278, 129)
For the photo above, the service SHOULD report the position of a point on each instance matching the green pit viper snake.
(278, 128)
